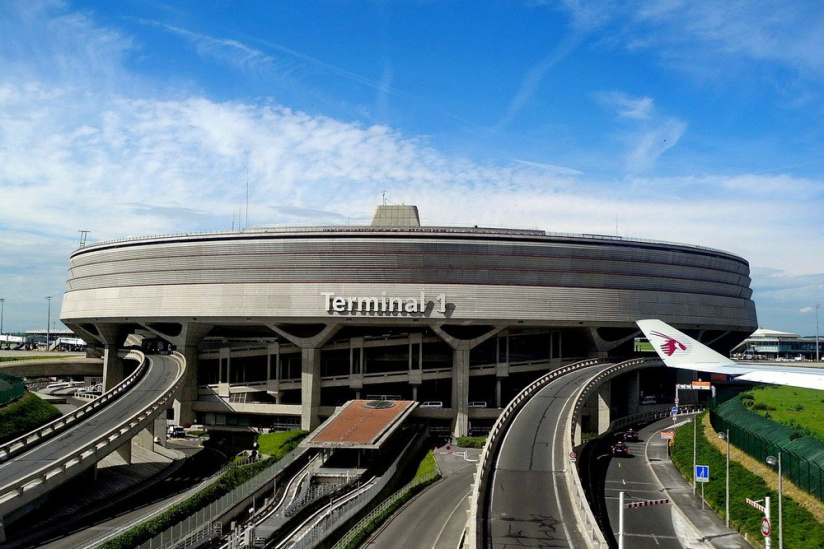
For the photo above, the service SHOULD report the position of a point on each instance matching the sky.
(698, 122)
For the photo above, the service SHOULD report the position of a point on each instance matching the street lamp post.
(771, 460)
(726, 436)
(48, 322)
(2, 307)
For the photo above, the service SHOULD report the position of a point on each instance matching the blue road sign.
(674, 411)
(702, 473)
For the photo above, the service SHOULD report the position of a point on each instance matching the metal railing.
(23, 443)
(389, 503)
(475, 524)
(35, 483)
(177, 534)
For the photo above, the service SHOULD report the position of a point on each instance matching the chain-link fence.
(801, 457)
(11, 388)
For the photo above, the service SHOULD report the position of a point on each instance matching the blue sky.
(686, 121)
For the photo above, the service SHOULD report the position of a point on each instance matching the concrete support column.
(114, 369)
(356, 356)
(634, 393)
(224, 365)
(145, 438)
(603, 396)
(273, 369)
(187, 395)
(498, 393)
(125, 451)
(310, 389)
(460, 390)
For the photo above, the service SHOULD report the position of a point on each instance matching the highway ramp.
(62, 457)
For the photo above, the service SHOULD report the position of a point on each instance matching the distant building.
(766, 344)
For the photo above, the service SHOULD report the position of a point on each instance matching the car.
(619, 449)
(477, 404)
(649, 399)
(432, 404)
(631, 435)
(176, 431)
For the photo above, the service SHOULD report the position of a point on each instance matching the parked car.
(649, 399)
(176, 431)
(432, 404)
(631, 435)
(477, 404)
(620, 449)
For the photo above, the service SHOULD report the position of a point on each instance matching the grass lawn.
(800, 409)
(279, 444)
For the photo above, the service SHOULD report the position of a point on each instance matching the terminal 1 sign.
(383, 305)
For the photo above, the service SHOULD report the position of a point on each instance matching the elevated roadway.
(48, 461)
(530, 504)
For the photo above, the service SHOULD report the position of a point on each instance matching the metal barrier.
(34, 484)
(23, 443)
(16, 388)
(804, 473)
(474, 529)
(176, 535)
(385, 505)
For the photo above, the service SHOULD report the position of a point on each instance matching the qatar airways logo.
(670, 345)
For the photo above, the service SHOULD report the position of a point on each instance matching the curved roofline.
(530, 234)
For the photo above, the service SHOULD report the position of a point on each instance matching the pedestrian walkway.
(708, 528)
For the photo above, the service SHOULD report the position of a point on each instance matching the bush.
(24, 416)
(471, 442)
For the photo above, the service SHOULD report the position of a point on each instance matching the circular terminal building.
(281, 326)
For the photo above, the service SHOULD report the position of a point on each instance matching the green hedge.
(25, 415)
(801, 530)
(427, 474)
(471, 442)
(222, 486)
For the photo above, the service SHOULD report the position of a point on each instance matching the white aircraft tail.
(679, 350)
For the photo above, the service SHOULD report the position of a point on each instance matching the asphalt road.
(436, 518)
(529, 503)
(652, 526)
(159, 377)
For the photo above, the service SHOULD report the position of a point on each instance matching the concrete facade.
(289, 323)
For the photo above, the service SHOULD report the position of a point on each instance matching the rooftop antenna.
(383, 195)
(83, 235)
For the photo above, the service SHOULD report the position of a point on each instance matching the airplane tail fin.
(679, 350)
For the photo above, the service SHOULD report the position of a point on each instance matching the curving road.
(529, 501)
(159, 377)
(435, 518)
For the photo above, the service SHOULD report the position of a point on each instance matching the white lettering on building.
(381, 305)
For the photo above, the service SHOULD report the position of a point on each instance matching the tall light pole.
(726, 436)
(771, 460)
(817, 307)
(48, 322)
